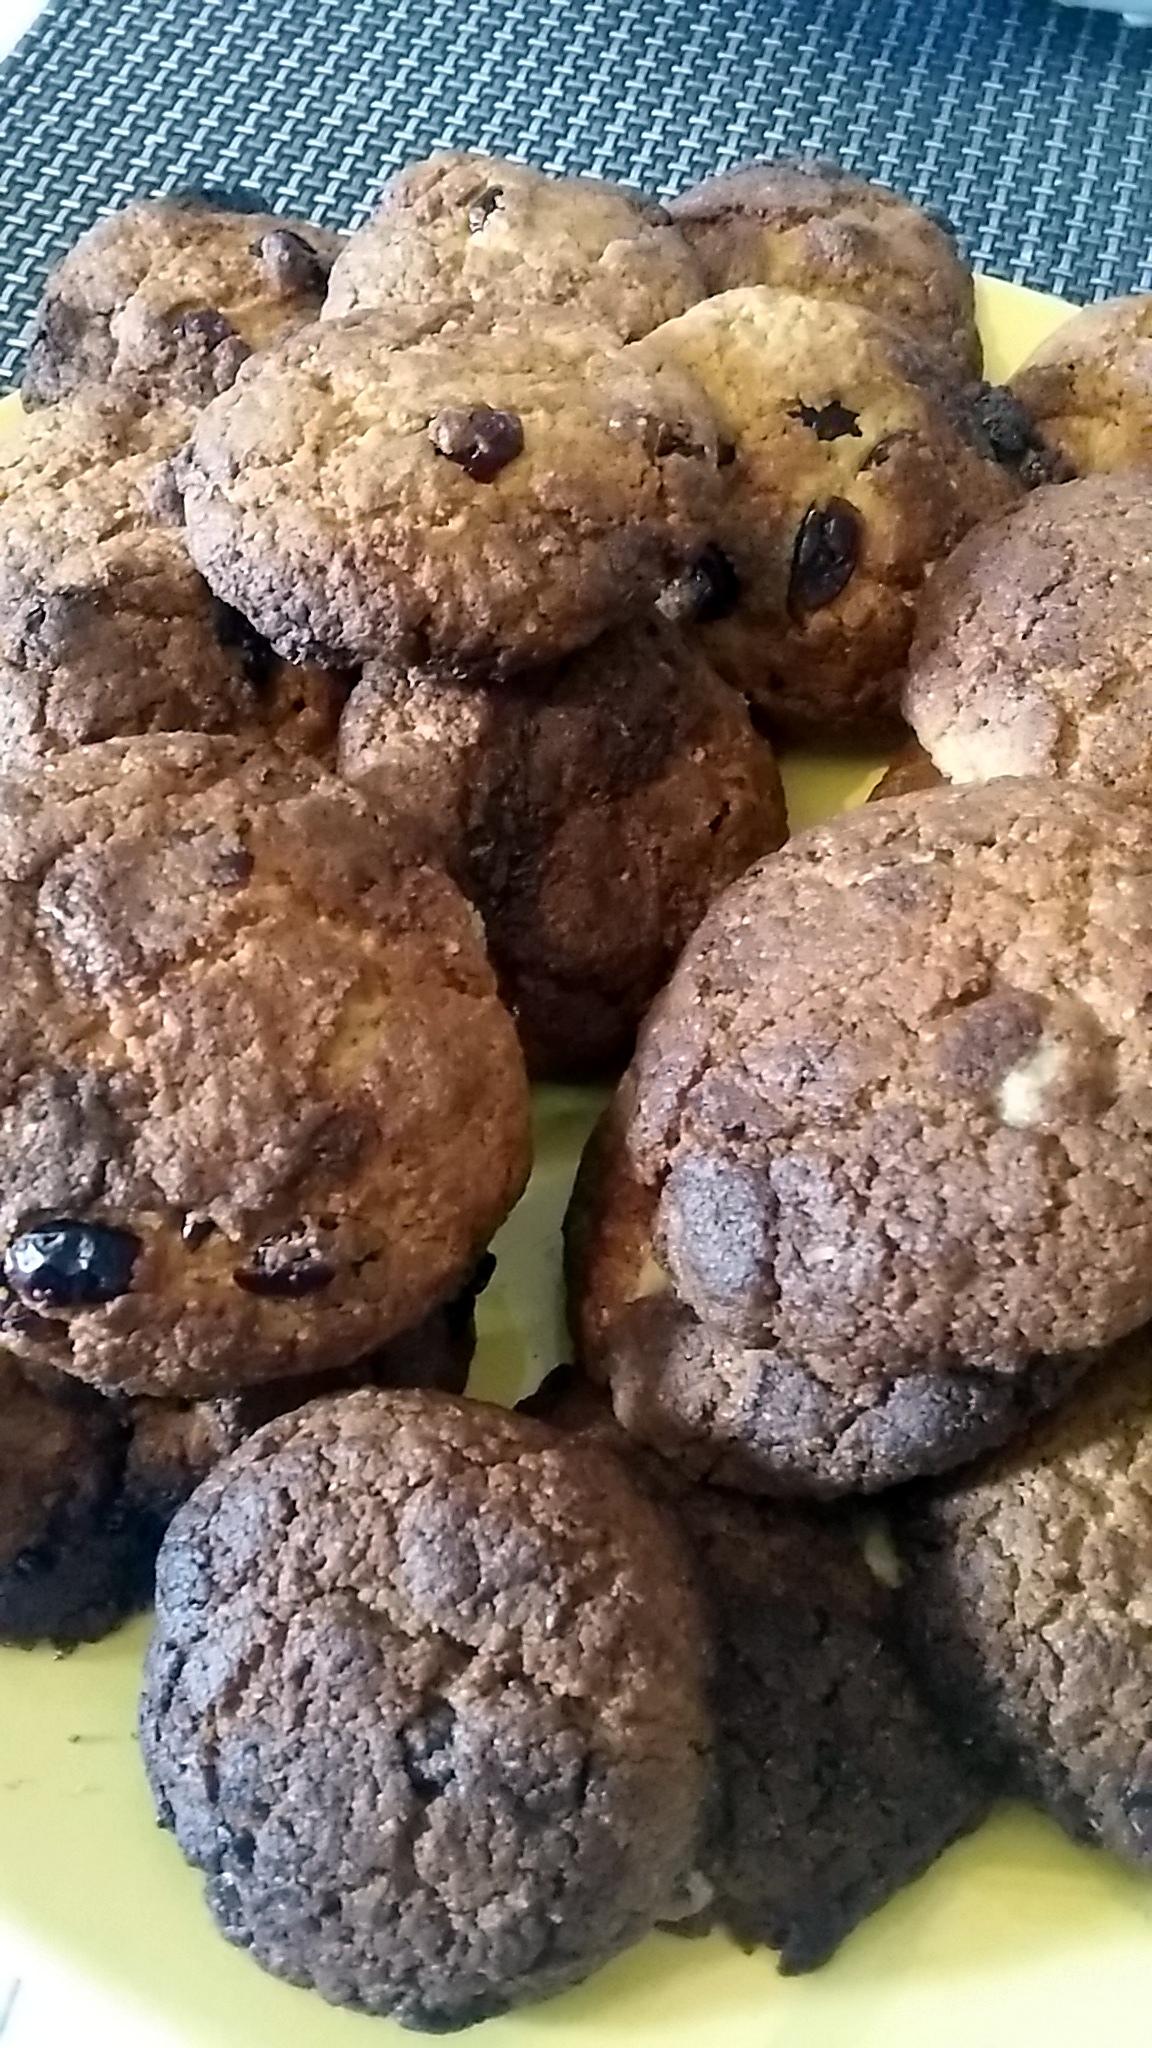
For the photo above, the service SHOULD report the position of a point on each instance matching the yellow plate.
(1013, 1938)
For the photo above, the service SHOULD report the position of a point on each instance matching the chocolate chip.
(709, 589)
(206, 327)
(1009, 435)
(65, 1264)
(941, 220)
(725, 454)
(478, 438)
(195, 1231)
(483, 206)
(286, 1267)
(825, 554)
(828, 422)
(878, 456)
(292, 264)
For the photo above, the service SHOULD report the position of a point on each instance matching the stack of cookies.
(396, 632)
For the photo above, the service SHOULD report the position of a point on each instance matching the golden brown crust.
(253, 1048)
(806, 225)
(461, 230)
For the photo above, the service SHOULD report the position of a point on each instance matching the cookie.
(485, 1643)
(467, 501)
(806, 225)
(910, 771)
(68, 1564)
(833, 1786)
(167, 297)
(260, 1108)
(855, 464)
(892, 1100)
(591, 816)
(1033, 648)
(105, 626)
(750, 1417)
(1023, 1604)
(460, 230)
(1089, 386)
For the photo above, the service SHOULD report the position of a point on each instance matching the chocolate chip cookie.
(854, 464)
(105, 626)
(1089, 386)
(69, 1567)
(833, 1787)
(892, 1100)
(260, 1108)
(591, 816)
(1024, 1604)
(169, 296)
(461, 230)
(486, 1644)
(1033, 647)
(465, 501)
(754, 1417)
(807, 225)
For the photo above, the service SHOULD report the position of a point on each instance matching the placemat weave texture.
(1028, 123)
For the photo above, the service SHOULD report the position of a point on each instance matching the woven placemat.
(1028, 123)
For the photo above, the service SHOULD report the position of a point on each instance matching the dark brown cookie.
(105, 626)
(459, 231)
(855, 464)
(261, 1108)
(1089, 386)
(485, 1643)
(807, 225)
(892, 1101)
(1025, 1606)
(833, 1787)
(473, 501)
(69, 1566)
(749, 1417)
(168, 297)
(590, 816)
(1033, 648)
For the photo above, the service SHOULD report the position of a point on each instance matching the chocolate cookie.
(892, 1101)
(459, 231)
(855, 464)
(1033, 648)
(260, 1108)
(69, 1569)
(168, 297)
(591, 816)
(911, 770)
(754, 1417)
(464, 501)
(1024, 1605)
(1089, 386)
(485, 1643)
(833, 1787)
(105, 626)
(806, 225)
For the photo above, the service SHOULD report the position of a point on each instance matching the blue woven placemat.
(1028, 123)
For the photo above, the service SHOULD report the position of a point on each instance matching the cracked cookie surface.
(892, 1099)
(260, 1106)
(485, 1643)
(1033, 646)
(806, 225)
(476, 500)
(855, 462)
(461, 230)
(167, 297)
(1025, 1607)
(591, 816)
